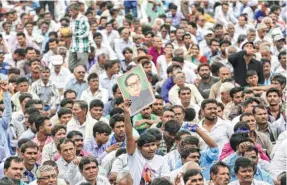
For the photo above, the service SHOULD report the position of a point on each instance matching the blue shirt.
(4, 68)
(5, 122)
(77, 87)
(167, 85)
(98, 151)
(113, 141)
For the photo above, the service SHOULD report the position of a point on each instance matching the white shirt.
(254, 182)
(157, 165)
(278, 163)
(111, 36)
(282, 137)
(101, 180)
(120, 163)
(60, 79)
(101, 94)
(163, 66)
(120, 45)
(107, 83)
(220, 132)
(224, 19)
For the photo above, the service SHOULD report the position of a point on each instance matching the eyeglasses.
(54, 176)
(132, 85)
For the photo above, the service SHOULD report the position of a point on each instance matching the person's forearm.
(210, 142)
(128, 126)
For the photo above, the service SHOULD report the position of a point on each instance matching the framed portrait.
(135, 86)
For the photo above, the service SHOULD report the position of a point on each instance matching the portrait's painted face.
(134, 86)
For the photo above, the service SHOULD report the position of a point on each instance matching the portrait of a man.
(134, 84)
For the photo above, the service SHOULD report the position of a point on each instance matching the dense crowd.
(217, 76)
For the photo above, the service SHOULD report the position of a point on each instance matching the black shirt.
(241, 68)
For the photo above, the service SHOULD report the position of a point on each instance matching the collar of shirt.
(96, 93)
(95, 145)
(41, 83)
(63, 161)
(75, 81)
(124, 42)
(47, 141)
(218, 123)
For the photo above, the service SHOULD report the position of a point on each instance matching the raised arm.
(7, 114)
(131, 145)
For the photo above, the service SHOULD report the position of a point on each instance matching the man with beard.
(243, 61)
(219, 174)
(157, 106)
(152, 78)
(144, 120)
(273, 98)
(89, 169)
(167, 143)
(206, 80)
(245, 170)
(29, 153)
(77, 138)
(34, 71)
(167, 114)
(118, 127)
(45, 89)
(13, 169)
(42, 137)
(222, 54)
(263, 125)
(219, 130)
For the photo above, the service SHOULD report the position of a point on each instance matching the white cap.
(207, 32)
(278, 37)
(253, 3)
(57, 60)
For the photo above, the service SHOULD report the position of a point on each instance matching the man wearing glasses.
(139, 97)
(46, 175)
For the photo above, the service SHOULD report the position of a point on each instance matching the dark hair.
(251, 73)
(190, 173)
(29, 49)
(262, 107)
(190, 114)
(31, 110)
(224, 42)
(114, 88)
(181, 133)
(215, 167)
(73, 133)
(251, 148)
(203, 65)
(9, 160)
(14, 70)
(34, 60)
(97, 34)
(207, 101)
(22, 141)
(241, 125)
(6, 181)
(20, 51)
(121, 151)
(51, 163)
(178, 106)
(161, 181)
(101, 127)
(247, 114)
(187, 151)
(83, 104)
(69, 91)
(156, 133)
(214, 40)
(56, 128)
(66, 101)
(64, 141)
(21, 34)
(235, 90)
(87, 160)
(243, 163)
(29, 144)
(144, 139)
(247, 91)
(21, 80)
(249, 101)
(127, 49)
(238, 138)
(184, 88)
(63, 110)
(119, 100)
(33, 117)
(273, 90)
(189, 140)
(265, 60)
(40, 121)
(171, 126)
(282, 53)
(96, 103)
(23, 96)
(219, 104)
(215, 68)
(116, 118)
(115, 111)
(280, 78)
(178, 59)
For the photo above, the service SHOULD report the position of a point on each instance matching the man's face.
(125, 34)
(90, 171)
(185, 96)
(21, 40)
(71, 95)
(74, 12)
(222, 177)
(265, 54)
(29, 28)
(25, 101)
(31, 54)
(77, 111)
(195, 180)
(53, 45)
(187, 40)
(45, 75)
(179, 114)
(210, 111)
(179, 34)
(225, 96)
(119, 129)
(251, 155)
(30, 156)
(250, 107)
(15, 171)
(166, 116)
(79, 73)
(148, 150)
(179, 79)
(48, 178)
(102, 137)
(266, 68)
(134, 86)
(277, 85)
(60, 135)
(148, 38)
(114, 69)
(146, 113)
(96, 112)
(68, 151)
(7, 28)
(223, 48)
(273, 99)
(204, 72)
(241, 21)
(219, 112)
(47, 127)
(44, 28)
(157, 106)
(157, 42)
(225, 8)
(250, 120)
(147, 69)
(23, 87)
(230, 29)
(193, 157)
(214, 47)
(237, 98)
(39, 107)
(261, 116)
(98, 40)
(94, 83)
(245, 175)
(261, 33)
(79, 142)
(224, 73)
(283, 60)
(35, 66)
(118, 93)
(251, 36)
(128, 55)
(64, 119)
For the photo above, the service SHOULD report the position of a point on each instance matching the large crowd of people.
(217, 69)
